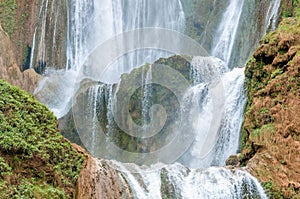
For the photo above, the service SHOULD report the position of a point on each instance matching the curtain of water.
(93, 22)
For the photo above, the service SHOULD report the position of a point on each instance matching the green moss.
(243, 139)
(5, 169)
(8, 15)
(276, 72)
(272, 190)
(30, 188)
(30, 143)
(266, 131)
(296, 9)
(264, 110)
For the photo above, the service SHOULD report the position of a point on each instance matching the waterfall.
(177, 181)
(78, 32)
(93, 104)
(41, 43)
(48, 50)
(146, 102)
(225, 38)
(93, 22)
(272, 15)
(212, 107)
(210, 123)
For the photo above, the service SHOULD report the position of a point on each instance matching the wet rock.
(9, 70)
(234, 160)
(98, 180)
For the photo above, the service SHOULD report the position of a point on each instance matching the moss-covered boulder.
(271, 131)
(36, 161)
(159, 95)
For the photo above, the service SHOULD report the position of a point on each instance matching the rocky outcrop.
(162, 96)
(97, 180)
(21, 19)
(36, 160)
(9, 69)
(18, 19)
(271, 131)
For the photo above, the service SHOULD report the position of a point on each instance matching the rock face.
(118, 136)
(9, 69)
(98, 181)
(50, 42)
(271, 130)
(18, 19)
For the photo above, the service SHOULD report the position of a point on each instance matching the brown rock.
(234, 160)
(25, 21)
(97, 180)
(272, 120)
(9, 70)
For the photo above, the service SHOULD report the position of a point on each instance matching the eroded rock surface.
(97, 180)
(271, 130)
(10, 71)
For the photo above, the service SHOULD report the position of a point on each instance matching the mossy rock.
(36, 160)
(160, 95)
(271, 127)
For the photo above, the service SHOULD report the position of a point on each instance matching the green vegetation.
(272, 77)
(291, 11)
(296, 9)
(8, 15)
(36, 160)
(272, 190)
(276, 72)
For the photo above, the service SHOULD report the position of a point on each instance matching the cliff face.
(17, 24)
(10, 71)
(50, 40)
(98, 180)
(18, 19)
(271, 131)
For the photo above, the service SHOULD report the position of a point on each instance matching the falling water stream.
(199, 172)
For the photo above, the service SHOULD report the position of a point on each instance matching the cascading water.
(49, 41)
(41, 44)
(227, 30)
(216, 130)
(109, 18)
(226, 123)
(177, 181)
(147, 90)
(272, 15)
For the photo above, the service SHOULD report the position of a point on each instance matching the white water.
(182, 182)
(93, 22)
(215, 86)
(94, 98)
(227, 30)
(146, 102)
(218, 119)
(41, 43)
(272, 15)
